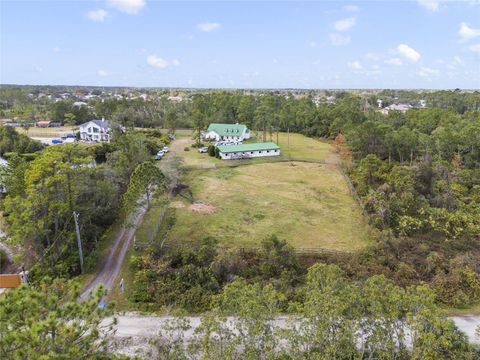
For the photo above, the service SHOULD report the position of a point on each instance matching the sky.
(248, 44)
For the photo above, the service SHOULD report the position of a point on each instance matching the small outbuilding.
(247, 151)
(43, 123)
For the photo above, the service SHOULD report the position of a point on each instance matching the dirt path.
(134, 332)
(111, 267)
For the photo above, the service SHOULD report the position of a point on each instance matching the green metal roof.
(227, 129)
(248, 147)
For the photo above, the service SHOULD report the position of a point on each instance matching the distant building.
(95, 130)
(55, 124)
(79, 103)
(43, 123)
(232, 132)
(246, 151)
(379, 103)
(396, 107)
(175, 98)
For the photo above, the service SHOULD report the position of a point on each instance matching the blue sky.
(249, 44)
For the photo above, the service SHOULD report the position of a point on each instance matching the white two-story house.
(95, 130)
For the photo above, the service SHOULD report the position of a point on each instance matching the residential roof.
(102, 123)
(227, 129)
(248, 147)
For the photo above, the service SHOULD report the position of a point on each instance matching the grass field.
(293, 147)
(307, 204)
(48, 132)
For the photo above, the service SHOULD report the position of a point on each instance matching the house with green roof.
(247, 151)
(228, 132)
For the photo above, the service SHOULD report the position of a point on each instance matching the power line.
(79, 240)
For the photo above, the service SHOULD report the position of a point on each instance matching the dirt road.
(134, 331)
(113, 263)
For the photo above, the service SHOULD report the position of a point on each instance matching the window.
(268, 151)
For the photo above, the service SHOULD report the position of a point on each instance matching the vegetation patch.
(308, 204)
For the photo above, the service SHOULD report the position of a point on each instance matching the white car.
(165, 149)
(203, 149)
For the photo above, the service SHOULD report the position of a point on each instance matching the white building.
(246, 151)
(95, 130)
(396, 107)
(231, 132)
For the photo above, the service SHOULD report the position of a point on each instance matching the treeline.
(42, 195)
(334, 318)
(277, 109)
(13, 142)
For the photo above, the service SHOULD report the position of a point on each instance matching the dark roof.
(102, 123)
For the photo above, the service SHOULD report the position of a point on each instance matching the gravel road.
(111, 267)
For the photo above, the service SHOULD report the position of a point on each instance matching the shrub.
(186, 148)
(211, 150)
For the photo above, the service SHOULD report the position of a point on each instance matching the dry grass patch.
(307, 204)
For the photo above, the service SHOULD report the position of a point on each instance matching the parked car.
(203, 149)
(165, 149)
(158, 157)
(57, 141)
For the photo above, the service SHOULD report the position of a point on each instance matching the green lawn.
(293, 147)
(307, 204)
(48, 132)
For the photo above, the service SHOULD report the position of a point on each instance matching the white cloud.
(344, 24)
(426, 72)
(127, 6)
(457, 60)
(430, 5)
(394, 61)
(372, 56)
(176, 62)
(157, 62)
(209, 26)
(275, 61)
(475, 48)
(56, 49)
(351, 8)
(97, 15)
(313, 44)
(355, 65)
(466, 32)
(408, 53)
(339, 40)
(102, 73)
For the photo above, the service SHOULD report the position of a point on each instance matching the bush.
(186, 148)
(211, 150)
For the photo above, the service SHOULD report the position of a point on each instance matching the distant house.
(246, 151)
(43, 123)
(233, 132)
(79, 103)
(396, 107)
(56, 124)
(95, 130)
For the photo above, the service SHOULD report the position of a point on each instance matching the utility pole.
(79, 240)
